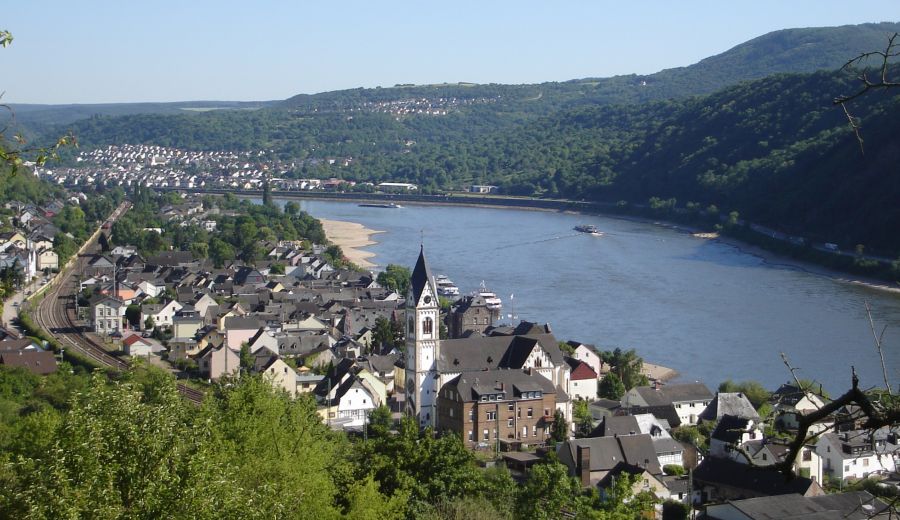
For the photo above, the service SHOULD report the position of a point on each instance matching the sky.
(94, 51)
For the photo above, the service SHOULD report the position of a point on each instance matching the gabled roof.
(35, 361)
(720, 471)
(581, 371)
(675, 393)
(729, 403)
(608, 452)
(421, 276)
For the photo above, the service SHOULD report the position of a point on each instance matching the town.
(398, 343)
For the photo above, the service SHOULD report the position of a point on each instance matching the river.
(704, 308)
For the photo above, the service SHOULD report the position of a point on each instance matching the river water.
(702, 307)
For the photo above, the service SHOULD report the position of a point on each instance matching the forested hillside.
(774, 149)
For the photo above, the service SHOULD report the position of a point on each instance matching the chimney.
(584, 465)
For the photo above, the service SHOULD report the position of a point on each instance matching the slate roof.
(730, 403)
(669, 394)
(795, 507)
(421, 276)
(35, 361)
(607, 452)
(479, 353)
(472, 386)
(718, 471)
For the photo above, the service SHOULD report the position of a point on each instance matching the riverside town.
(198, 321)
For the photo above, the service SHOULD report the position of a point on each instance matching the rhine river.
(702, 307)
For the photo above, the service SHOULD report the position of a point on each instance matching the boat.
(491, 300)
(445, 286)
(590, 229)
(380, 205)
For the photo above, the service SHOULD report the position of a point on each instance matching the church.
(433, 363)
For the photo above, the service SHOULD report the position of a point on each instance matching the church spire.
(421, 277)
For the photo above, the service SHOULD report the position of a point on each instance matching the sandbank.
(352, 237)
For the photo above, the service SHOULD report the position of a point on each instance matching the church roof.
(421, 276)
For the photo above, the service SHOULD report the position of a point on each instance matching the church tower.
(422, 344)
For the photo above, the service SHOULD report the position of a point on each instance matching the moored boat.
(445, 286)
(380, 205)
(491, 299)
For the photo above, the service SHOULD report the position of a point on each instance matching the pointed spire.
(421, 276)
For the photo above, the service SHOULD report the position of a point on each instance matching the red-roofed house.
(583, 381)
(135, 345)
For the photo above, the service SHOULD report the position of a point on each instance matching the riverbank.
(352, 237)
(768, 257)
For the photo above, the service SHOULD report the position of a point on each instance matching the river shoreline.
(352, 238)
(361, 237)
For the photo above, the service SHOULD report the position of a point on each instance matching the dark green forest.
(776, 149)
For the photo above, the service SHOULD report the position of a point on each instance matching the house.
(471, 314)
(719, 479)
(509, 407)
(790, 400)
(281, 375)
(857, 454)
(163, 314)
(589, 355)
(346, 395)
(677, 403)
(668, 450)
(217, 362)
(731, 436)
(152, 288)
(582, 380)
(186, 326)
(239, 330)
(735, 404)
(854, 505)
(136, 346)
(47, 259)
(107, 315)
(38, 362)
(591, 459)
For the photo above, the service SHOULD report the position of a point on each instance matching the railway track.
(56, 315)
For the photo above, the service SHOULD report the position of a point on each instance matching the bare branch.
(884, 57)
(877, 338)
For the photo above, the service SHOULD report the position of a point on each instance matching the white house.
(589, 355)
(107, 314)
(281, 375)
(582, 381)
(682, 402)
(857, 454)
(162, 313)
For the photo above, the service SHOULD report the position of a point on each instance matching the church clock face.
(427, 299)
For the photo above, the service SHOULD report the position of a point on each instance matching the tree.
(396, 278)
(379, 421)
(584, 421)
(149, 323)
(611, 387)
(133, 314)
(559, 432)
(627, 365)
(548, 492)
(292, 208)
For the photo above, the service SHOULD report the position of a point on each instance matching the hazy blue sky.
(124, 51)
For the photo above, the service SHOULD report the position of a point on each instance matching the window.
(846, 468)
(496, 434)
(534, 430)
(492, 416)
(484, 398)
(487, 436)
(471, 435)
(451, 411)
(471, 414)
(765, 457)
(524, 431)
(531, 412)
(427, 326)
(807, 455)
(866, 463)
(509, 423)
(546, 412)
(510, 407)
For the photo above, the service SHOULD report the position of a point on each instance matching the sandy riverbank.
(352, 237)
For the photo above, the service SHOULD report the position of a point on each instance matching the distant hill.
(774, 149)
(788, 50)
(36, 117)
